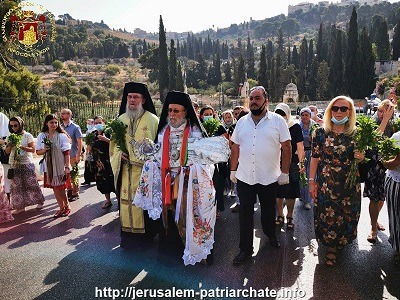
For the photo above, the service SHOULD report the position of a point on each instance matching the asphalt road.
(78, 257)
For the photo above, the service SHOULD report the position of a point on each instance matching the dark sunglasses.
(175, 110)
(341, 108)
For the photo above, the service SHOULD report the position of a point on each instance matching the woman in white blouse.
(25, 189)
(54, 143)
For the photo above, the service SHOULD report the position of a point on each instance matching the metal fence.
(34, 111)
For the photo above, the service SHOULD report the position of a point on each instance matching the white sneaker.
(39, 206)
(307, 206)
(226, 192)
(232, 193)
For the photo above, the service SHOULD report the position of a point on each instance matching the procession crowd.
(171, 173)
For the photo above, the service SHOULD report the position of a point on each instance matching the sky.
(177, 15)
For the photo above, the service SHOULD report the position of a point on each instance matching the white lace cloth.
(201, 206)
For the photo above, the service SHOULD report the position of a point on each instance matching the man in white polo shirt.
(259, 140)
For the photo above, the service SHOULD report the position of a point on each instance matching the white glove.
(283, 179)
(232, 177)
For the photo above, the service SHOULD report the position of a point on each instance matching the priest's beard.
(177, 122)
(133, 114)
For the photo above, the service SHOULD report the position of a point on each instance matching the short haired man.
(314, 115)
(75, 133)
(258, 139)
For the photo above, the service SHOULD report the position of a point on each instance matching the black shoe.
(73, 198)
(241, 258)
(274, 242)
(236, 208)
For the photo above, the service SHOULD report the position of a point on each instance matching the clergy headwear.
(183, 99)
(141, 88)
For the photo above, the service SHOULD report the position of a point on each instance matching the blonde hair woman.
(337, 204)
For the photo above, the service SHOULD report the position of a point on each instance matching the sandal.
(289, 224)
(330, 259)
(372, 237)
(279, 221)
(380, 226)
(59, 213)
(106, 205)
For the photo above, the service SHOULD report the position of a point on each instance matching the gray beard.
(133, 114)
(183, 121)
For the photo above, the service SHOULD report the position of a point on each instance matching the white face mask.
(205, 118)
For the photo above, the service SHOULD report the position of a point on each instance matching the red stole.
(165, 168)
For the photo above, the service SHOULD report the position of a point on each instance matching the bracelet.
(311, 179)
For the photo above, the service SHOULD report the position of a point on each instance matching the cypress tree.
(250, 60)
(172, 66)
(396, 42)
(367, 64)
(163, 76)
(336, 69)
(382, 42)
(180, 84)
(262, 73)
(351, 65)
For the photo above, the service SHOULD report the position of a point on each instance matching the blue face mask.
(99, 127)
(205, 118)
(89, 126)
(341, 122)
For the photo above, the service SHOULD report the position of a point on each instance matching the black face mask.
(258, 111)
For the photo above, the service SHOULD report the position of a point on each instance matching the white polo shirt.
(260, 148)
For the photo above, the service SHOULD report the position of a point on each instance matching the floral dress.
(338, 208)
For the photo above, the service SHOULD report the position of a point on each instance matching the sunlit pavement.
(78, 257)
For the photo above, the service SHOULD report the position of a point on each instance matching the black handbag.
(4, 157)
(10, 174)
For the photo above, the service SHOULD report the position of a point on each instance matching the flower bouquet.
(387, 148)
(117, 129)
(303, 177)
(15, 140)
(75, 174)
(365, 137)
(89, 138)
(211, 126)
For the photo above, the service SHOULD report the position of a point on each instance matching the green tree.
(322, 91)
(172, 66)
(368, 77)
(262, 72)
(163, 76)
(250, 60)
(396, 42)
(180, 84)
(336, 69)
(382, 42)
(351, 75)
(57, 65)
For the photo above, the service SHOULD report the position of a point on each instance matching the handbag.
(10, 173)
(4, 157)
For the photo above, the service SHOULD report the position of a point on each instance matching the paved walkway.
(78, 257)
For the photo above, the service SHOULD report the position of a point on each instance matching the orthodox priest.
(177, 184)
(138, 113)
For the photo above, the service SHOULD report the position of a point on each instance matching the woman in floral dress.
(338, 202)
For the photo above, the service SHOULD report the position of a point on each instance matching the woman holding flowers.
(392, 191)
(373, 188)
(215, 128)
(54, 143)
(337, 199)
(25, 189)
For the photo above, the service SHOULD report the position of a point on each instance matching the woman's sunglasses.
(341, 108)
